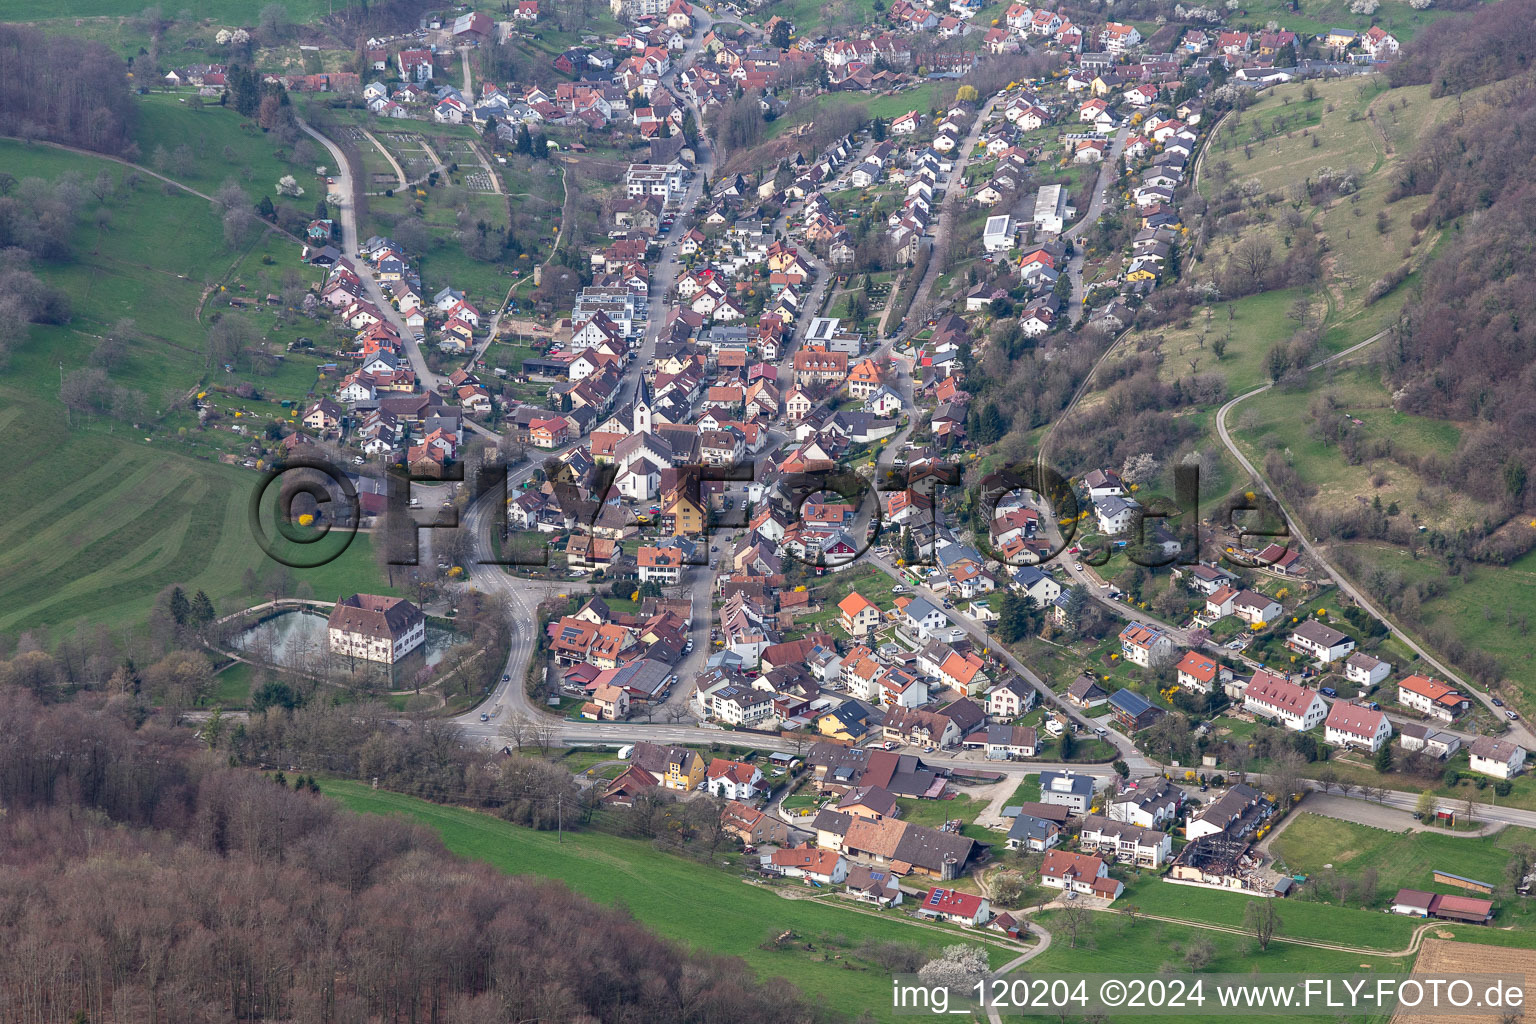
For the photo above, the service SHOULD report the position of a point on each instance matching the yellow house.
(687, 515)
(1101, 87)
(685, 770)
(849, 722)
(1143, 274)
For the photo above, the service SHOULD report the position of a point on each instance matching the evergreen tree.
(908, 547)
(524, 140)
(180, 609)
(202, 609)
(265, 209)
(1383, 761)
(1016, 618)
(1068, 744)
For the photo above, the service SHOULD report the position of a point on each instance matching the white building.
(1145, 645)
(1365, 670)
(376, 628)
(732, 780)
(1432, 697)
(1296, 707)
(1499, 758)
(1051, 209)
(1124, 842)
(664, 180)
(1321, 642)
(999, 234)
(1067, 788)
(1349, 725)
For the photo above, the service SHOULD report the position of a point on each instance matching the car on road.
(484, 717)
(1078, 566)
(1101, 731)
(505, 677)
(1497, 703)
(1328, 691)
(358, 460)
(1513, 717)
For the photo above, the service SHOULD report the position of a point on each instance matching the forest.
(64, 90)
(1466, 350)
(143, 879)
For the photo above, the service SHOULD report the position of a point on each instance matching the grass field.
(109, 518)
(1301, 920)
(921, 98)
(1317, 16)
(1112, 944)
(696, 904)
(225, 146)
(1401, 859)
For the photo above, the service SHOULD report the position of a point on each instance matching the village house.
(1349, 725)
(1079, 873)
(1295, 706)
(1432, 697)
(1498, 758)
(375, 628)
(1145, 645)
(733, 780)
(1124, 842)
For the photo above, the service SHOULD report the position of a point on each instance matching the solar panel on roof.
(936, 897)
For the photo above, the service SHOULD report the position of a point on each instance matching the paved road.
(1096, 204)
(953, 195)
(349, 245)
(1518, 730)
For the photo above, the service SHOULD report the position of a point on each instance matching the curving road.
(1519, 729)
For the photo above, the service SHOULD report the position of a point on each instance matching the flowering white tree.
(1420, 5)
(286, 186)
(1364, 7)
(958, 968)
(223, 36)
(1138, 469)
(240, 37)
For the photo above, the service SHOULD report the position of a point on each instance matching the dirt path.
(399, 171)
(1412, 948)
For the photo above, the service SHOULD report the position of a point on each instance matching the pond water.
(297, 639)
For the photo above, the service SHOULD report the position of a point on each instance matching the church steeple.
(642, 424)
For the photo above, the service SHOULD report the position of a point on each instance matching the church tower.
(642, 424)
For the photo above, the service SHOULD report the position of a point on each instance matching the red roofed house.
(1349, 725)
(825, 866)
(1432, 697)
(860, 616)
(733, 780)
(1297, 707)
(959, 907)
(1199, 672)
(1078, 872)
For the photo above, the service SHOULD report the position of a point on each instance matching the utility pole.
(560, 818)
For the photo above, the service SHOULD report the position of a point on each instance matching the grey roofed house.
(879, 800)
(873, 883)
(834, 763)
(966, 714)
(1086, 690)
(835, 822)
(1066, 787)
(1236, 812)
(1027, 828)
(942, 853)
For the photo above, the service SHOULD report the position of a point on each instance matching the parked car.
(1497, 703)
(1512, 716)
(1328, 691)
